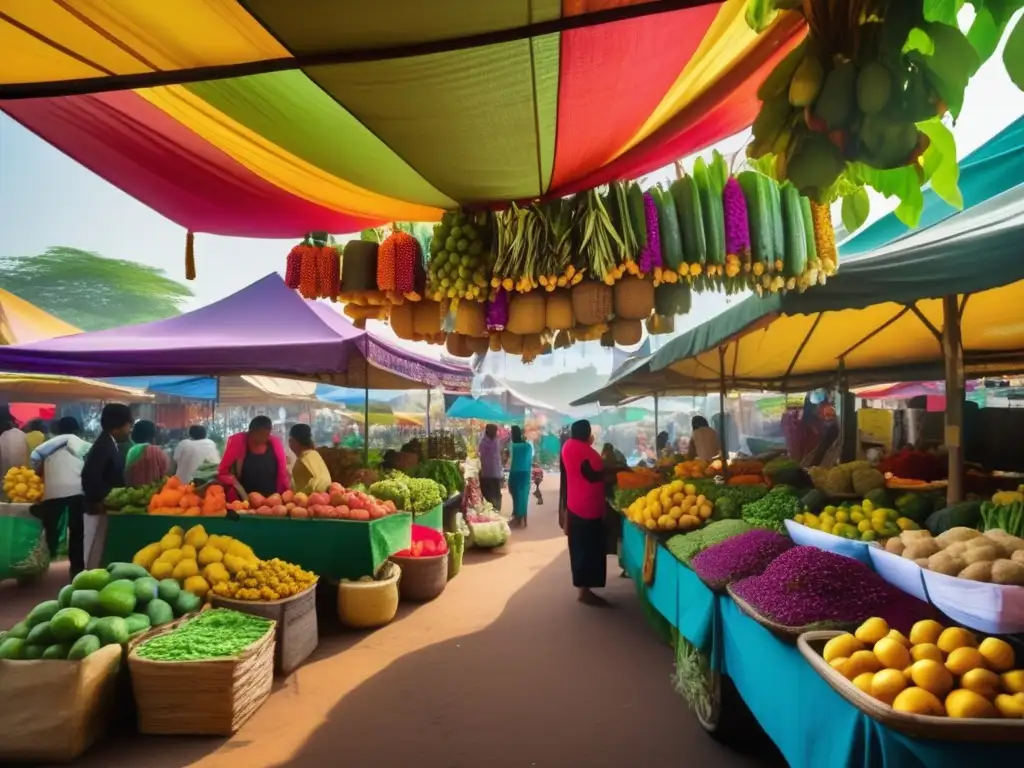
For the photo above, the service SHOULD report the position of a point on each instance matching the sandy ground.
(504, 669)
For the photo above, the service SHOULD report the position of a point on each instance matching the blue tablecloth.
(813, 726)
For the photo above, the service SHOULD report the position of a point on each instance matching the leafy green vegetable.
(771, 511)
(444, 472)
(216, 634)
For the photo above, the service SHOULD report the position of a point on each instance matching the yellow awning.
(51, 389)
(22, 323)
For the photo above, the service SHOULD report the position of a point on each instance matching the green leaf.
(939, 162)
(953, 62)
(990, 20)
(760, 14)
(942, 11)
(1013, 54)
(902, 183)
(919, 41)
(856, 208)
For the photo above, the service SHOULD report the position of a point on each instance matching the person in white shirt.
(704, 442)
(13, 444)
(59, 462)
(191, 453)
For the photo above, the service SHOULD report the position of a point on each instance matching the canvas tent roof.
(264, 329)
(881, 314)
(21, 322)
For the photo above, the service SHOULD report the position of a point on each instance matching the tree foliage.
(90, 291)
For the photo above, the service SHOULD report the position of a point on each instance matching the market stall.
(708, 557)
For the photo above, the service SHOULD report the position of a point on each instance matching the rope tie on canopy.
(190, 256)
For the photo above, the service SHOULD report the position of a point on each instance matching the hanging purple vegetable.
(650, 256)
(497, 311)
(737, 229)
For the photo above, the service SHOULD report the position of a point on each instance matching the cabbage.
(491, 534)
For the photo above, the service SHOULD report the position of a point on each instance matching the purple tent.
(263, 329)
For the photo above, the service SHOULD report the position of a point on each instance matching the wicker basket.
(202, 698)
(370, 604)
(973, 729)
(296, 625)
(423, 578)
(781, 631)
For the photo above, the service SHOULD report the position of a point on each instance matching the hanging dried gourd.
(359, 271)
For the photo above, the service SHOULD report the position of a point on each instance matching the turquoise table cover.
(813, 726)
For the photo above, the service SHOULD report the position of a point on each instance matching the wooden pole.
(657, 453)
(953, 354)
(723, 430)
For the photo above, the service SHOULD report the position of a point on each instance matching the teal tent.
(481, 410)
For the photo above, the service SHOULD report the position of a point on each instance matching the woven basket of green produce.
(206, 676)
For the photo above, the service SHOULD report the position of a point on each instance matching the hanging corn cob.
(622, 221)
(293, 264)
(825, 238)
(650, 255)
(737, 230)
(386, 266)
(554, 263)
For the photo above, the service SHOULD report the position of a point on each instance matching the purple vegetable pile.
(807, 585)
(497, 311)
(747, 554)
(650, 256)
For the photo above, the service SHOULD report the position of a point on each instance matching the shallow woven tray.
(920, 726)
(205, 697)
(789, 634)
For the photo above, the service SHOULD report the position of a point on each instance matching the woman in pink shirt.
(254, 461)
(583, 478)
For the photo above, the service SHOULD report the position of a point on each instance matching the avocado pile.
(104, 606)
(132, 501)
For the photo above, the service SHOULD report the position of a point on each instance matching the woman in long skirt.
(520, 468)
(583, 480)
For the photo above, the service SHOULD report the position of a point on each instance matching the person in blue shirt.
(519, 476)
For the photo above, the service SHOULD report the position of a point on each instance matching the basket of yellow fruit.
(280, 591)
(936, 683)
(848, 529)
(675, 506)
(22, 486)
(371, 601)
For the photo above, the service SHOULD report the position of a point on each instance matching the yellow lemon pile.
(268, 580)
(195, 559)
(938, 671)
(23, 486)
(859, 522)
(673, 506)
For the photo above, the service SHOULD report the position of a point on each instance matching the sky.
(47, 199)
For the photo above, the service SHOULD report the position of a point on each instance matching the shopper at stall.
(102, 472)
(254, 461)
(193, 451)
(59, 462)
(583, 479)
(519, 474)
(309, 473)
(704, 443)
(146, 462)
(35, 434)
(491, 473)
(14, 450)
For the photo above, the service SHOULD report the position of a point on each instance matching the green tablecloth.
(813, 726)
(432, 519)
(333, 549)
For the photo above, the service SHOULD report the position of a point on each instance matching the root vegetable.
(942, 562)
(953, 535)
(981, 554)
(980, 571)
(920, 547)
(1007, 572)
(895, 545)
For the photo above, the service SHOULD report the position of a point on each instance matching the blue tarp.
(468, 408)
(990, 170)
(190, 387)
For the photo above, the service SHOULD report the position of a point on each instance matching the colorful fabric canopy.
(21, 322)
(270, 119)
(882, 315)
(264, 328)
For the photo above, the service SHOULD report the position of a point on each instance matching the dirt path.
(504, 669)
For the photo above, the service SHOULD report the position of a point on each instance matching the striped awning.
(266, 118)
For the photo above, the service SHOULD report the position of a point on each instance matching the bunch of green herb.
(216, 634)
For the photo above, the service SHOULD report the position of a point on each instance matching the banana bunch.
(854, 91)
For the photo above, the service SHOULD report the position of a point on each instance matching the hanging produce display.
(861, 102)
(313, 267)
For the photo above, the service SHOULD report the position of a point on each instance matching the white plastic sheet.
(995, 609)
(900, 572)
(808, 537)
